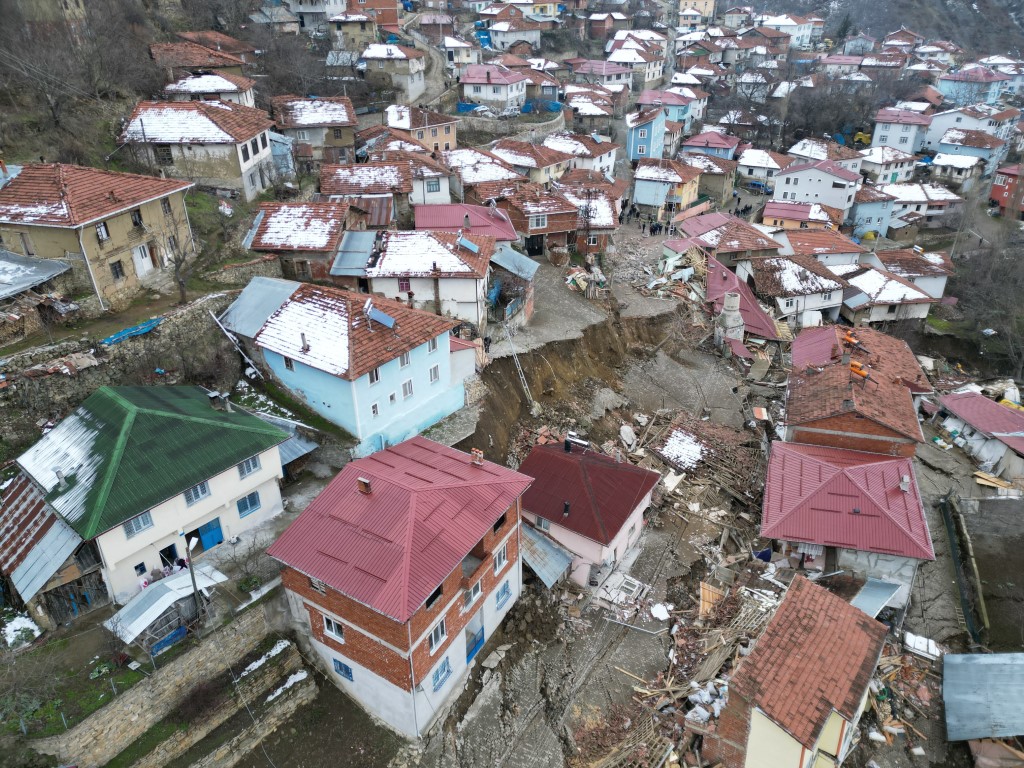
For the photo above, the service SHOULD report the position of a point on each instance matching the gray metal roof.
(545, 558)
(21, 273)
(507, 257)
(262, 297)
(983, 695)
(296, 446)
(874, 596)
(353, 253)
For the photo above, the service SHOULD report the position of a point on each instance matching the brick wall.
(363, 648)
(855, 433)
(728, 744)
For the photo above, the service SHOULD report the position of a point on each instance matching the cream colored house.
(140, 471)
(397, 67)
(796, 699)
(114, 229)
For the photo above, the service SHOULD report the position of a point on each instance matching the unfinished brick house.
(401, 569)
(840, 407)
(544, 219)
(797, 698)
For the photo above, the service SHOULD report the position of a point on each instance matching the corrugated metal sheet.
(379, 208)
(34, 540)
(262, 297)
(874, 596)
(515, 262)
(983, 695)
(147, 606)
(21, 273)
(353, 254)
(390, 548)
(546, 558)
(296, 446)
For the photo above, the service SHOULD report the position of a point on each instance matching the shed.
(546, 558)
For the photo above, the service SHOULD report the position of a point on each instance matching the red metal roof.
(721, 281)
(816, 655)
(1004, 424)
(842, 498)
(483, 220)
(389, 549)
(602, 492)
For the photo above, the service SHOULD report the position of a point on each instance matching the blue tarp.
(546, 558)
(135, 330)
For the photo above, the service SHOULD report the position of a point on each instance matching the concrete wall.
(768, 746)
(108, 731)
(461, 297)
(895, 568)
(120, 553)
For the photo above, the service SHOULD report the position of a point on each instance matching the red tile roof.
(885, 355)
(366, 178)
(721, 281)
(825, 166)
(988, 416)
(389, 549)
(61, 195)
(191, 56)
(976, 75)
(602, 493)
(218, 41)
(841, 498)
(298, 112)
(902, 117)
(300, 227)
(833, 391)
(415, 253)
(713, 139)
(528, 155)
(816, 655)
(338, 339)
(480, 74)
(725, 233)
(194, 122)
(820, 242)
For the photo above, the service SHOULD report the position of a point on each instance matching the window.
(883, 139)
(255, 147)
(374, 375)
(245, 150)
(642, 133)
(343, 669)
(392, 398)
(903, 139)
(433, 185)
(334, 629)
(117, 270)
(102, 233)
(539, 221)
(172, 244)
(433, 131)
(317, 586)
(471, 595)
(407, 389)
(289, 364)
(495, 89)
(138, 524)
(891, 309)
(301, 268)
(163, 155)
(447, 130)
(502, 595)
(437, 635)
(543, 525)
(500, 522)
(631, 531)
(140, 569)
(136, 218)
(337, 133)
(380, 65)
(432, 345)
(248, 504)
(906, 129)
(788, 303)
(165, 206)
(404, 359)
(592, 239)
(248, 466)
(441, 674)
(641, 150)
(477, 89)
(263, 140)
(197, 492)
(301, 136)
(826, 296)
(500, 557)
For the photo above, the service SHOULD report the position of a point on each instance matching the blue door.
(210, 535)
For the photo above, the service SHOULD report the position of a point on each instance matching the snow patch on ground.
(296, 677)
(13, 631)
(279, 646)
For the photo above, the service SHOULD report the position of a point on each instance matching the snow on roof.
(633, 119)
(758, 158)
(885, 155)
(299, 226)
(312, 329)
(907, 193)
(602, 208)
(398, 116)
(913, 106)
(454, 42)
(879, 287)
(683, 449)
(420, 253)
(171, 124)
(476, 167)
(579, 145)
(206, 83)
(297, 112)
(384, 51)
(955, 161)
(792, 278)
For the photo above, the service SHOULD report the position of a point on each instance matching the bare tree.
(27, 682)
(250, 561)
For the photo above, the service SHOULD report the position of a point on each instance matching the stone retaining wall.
(513, 128)
(249, 690)
(283, 707)
(241, 274)
(104, 734)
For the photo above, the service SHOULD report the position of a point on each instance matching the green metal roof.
(127, 449)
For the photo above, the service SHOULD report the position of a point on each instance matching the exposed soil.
(999, 550)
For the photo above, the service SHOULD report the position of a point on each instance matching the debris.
(660, 611)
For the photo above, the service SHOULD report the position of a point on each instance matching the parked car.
(508, 113)
(760, 187)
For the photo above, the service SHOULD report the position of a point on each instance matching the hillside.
(980, 26)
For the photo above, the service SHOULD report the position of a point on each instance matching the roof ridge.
(117, 454)
(884, 507)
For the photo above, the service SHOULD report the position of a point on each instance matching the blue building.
(960, 141)
(712, 143)
(973, 84)
(379, 369)
(645, 134)
(871, 212)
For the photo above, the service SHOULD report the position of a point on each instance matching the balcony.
(472, 570)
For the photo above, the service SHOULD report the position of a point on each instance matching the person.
(643, 227)
(487, 343)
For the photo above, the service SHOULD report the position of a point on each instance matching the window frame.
(538, 221)
(502, 595)
(197, 488)
(102, 231)
(408, 390)
(501, 558)
(248, 466)
(250, 508)
(438, 634)
(471, 595)
(165, 206)
(433, 185)
(136, 525)
(434, 374)
(432, 345)
(404, 360)
(374, 375)
(338, 631)
(317, 585)
(117, 269)
(542, 524)
(440, 675)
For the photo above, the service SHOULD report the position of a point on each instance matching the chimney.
(61, 482)
(905, 483)
(568, 445)
(305, 344)
(476, 457)
(465, 222)
(364, 485)
(215, 402)
(846, 358)
(565, 509)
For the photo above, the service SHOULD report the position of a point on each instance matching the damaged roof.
(884, 355)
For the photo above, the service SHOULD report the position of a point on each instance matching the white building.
(995, 121)
(929, 200)
(900, 128)
(822, 181)
(399, 67)
(115, 471)
(494, 85)
(212, 86)
(887, 165)
(798, 28)
(802, 290)
(761, 165)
